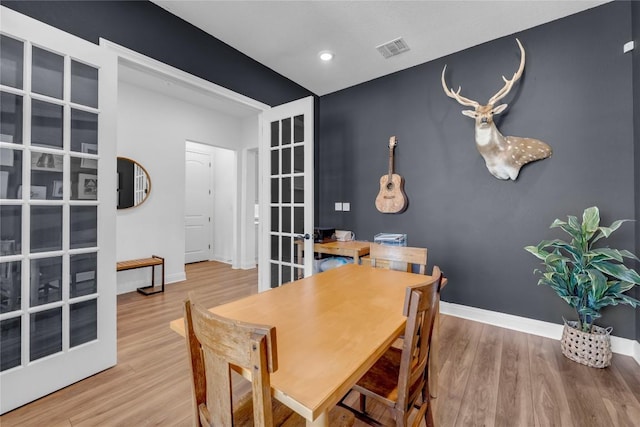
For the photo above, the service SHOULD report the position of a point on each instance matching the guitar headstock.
(393, 141)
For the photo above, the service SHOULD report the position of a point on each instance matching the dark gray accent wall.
(148, 29)
(575, 94)
(635, 18)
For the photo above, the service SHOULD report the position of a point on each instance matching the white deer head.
(503, 155)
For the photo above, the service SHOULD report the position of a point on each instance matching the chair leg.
(363, 403)
(434, 353)
(428, 417)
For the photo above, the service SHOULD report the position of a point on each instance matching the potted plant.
(588, 279)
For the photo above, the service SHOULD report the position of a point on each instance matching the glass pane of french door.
(289, 131)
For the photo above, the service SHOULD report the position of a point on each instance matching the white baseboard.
(248, 265)
(131, 286)
(541, 328)
(176, 277)
(221, 259)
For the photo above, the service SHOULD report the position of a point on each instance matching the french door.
(57, 209)
(286, 217)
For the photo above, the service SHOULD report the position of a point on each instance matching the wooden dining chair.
(215, 344)
(401, 258)
(405, 258)
(399, 379)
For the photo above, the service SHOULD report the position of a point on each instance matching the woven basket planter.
(589, 348)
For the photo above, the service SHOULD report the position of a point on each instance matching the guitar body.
(391, 197)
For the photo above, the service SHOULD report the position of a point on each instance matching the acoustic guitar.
(391, 198)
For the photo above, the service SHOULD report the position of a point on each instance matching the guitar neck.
(390, 161)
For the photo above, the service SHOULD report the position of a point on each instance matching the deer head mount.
(503, 155)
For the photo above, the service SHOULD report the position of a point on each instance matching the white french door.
(286, 217)
(57, 209)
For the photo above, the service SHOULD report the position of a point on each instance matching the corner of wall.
(635, 67)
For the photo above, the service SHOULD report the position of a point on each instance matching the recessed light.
(326, 55)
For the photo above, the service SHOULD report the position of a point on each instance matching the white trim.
(223, 261)
(248, 266)
(541, 328)
(202, 84)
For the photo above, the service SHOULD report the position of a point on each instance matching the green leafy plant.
(587, 278)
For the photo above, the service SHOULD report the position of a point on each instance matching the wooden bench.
(141, 263)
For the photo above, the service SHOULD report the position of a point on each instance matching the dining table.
(331, 327)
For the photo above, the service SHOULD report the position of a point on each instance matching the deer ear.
(470, 113)
(500, 108)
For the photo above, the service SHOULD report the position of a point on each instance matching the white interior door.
(286, 214)
(198, 205)
(57, 245)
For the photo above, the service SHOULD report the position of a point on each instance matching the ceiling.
(287, 36)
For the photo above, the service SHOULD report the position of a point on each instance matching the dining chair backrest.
(398, 257)
(420, 304)
(215, 343)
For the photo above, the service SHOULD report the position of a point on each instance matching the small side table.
(354, 249)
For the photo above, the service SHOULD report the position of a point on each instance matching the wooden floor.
(488, 375)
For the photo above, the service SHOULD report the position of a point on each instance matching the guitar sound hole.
(390, 186)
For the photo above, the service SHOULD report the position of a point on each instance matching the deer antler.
(508, 84)
(456, 95)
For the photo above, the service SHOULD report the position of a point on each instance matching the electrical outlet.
(338, 206)
(346, 206)
(628, 46)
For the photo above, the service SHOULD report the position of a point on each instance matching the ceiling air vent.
(393, 48)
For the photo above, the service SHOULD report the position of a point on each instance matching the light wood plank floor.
(488, 375)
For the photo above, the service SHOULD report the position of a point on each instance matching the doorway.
(210, 197)
(160, 108)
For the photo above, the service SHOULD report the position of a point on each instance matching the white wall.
(152, 129)
(248, 194)
(224, 193)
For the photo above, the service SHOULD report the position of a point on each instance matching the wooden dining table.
(330, 329)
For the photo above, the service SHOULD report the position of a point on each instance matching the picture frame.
(57, 189)
(5, 137)
(7, 247)
(83, 276)
(38, 192)
(89, 149)
(6, 157)
(5, 272)
(87, 186)
(4, 184)
(46, 162)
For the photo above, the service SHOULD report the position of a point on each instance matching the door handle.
(305, 236)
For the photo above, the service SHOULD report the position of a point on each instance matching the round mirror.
(134, 184)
